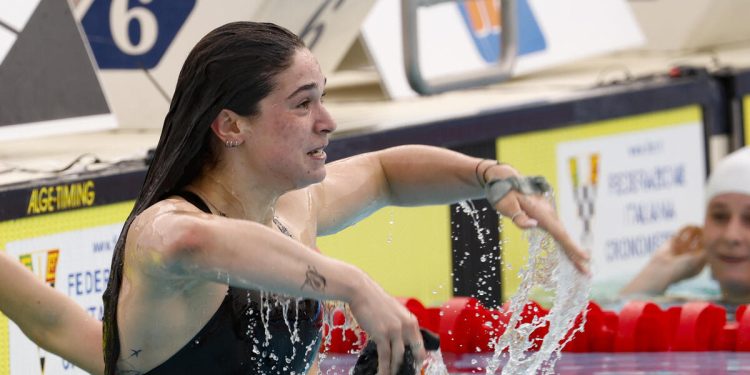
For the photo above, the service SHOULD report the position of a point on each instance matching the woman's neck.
(229, 198)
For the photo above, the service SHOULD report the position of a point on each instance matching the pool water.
(661, 363)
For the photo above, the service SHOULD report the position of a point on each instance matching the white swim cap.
(731, 175)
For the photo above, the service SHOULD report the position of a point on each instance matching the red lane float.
(342, 340)
(699, 327)
(598, 331)
(743, 330)
(465, 326)
(641, 328)
(456, 319)
(486, 329)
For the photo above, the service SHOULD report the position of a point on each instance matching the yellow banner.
(406, 250)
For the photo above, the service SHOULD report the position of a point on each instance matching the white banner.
(463, 36)
(77, 264)
(149, 62)
(625, 194)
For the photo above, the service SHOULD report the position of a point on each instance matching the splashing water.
(333, 312)
(435, 364)
(331, 308)
(468, 208)
(269, 303)
(550, 270)
(391, 222)
(547, 268)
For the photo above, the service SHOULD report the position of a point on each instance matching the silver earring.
(232, 143)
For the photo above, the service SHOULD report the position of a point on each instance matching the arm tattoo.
(135, 353)
(314, 280)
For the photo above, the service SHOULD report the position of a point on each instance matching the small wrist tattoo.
(135, 353)
(314, 280)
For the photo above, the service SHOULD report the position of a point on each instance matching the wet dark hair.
(233, 67)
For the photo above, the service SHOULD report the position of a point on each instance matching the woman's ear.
(227, 129)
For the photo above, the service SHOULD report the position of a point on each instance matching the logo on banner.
(133, 34)
(482, 19)
(44, 265)
(584, 175)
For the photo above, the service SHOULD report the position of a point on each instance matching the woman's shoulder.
(169, 205)
(160, 211)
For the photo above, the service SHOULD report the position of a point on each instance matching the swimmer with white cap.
(722, 244)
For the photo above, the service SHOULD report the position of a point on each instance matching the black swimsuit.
(235, 340)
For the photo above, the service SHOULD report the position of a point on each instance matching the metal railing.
(496, 73)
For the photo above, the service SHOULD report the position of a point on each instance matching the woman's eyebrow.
(306, 87)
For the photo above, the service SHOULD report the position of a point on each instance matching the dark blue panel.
(133, 34)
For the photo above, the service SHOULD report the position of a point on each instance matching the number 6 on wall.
(120, 18)
(133, 34)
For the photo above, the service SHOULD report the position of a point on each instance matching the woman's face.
(726, 236)
(288, 136)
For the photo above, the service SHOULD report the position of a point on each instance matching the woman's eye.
(746, 219)
(305, 104)
(719, 217)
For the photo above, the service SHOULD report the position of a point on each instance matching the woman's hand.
(531, 210)
(679, 258)
(389, 324)
(682, 256)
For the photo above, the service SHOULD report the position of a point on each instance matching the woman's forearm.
(49, 318)
(651, 280)
(419, 175)
(250, 255)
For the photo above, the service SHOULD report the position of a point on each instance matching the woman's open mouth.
(318, 153)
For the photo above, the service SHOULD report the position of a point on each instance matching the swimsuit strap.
(200, 204)
(194, 199)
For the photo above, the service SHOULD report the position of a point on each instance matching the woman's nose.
(324, 122)
(735, 230)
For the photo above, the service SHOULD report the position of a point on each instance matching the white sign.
(625, 194)
(172, 28)
(77, 264)
(14, 14)
(463, 36)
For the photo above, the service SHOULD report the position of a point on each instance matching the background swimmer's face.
(726, 236)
